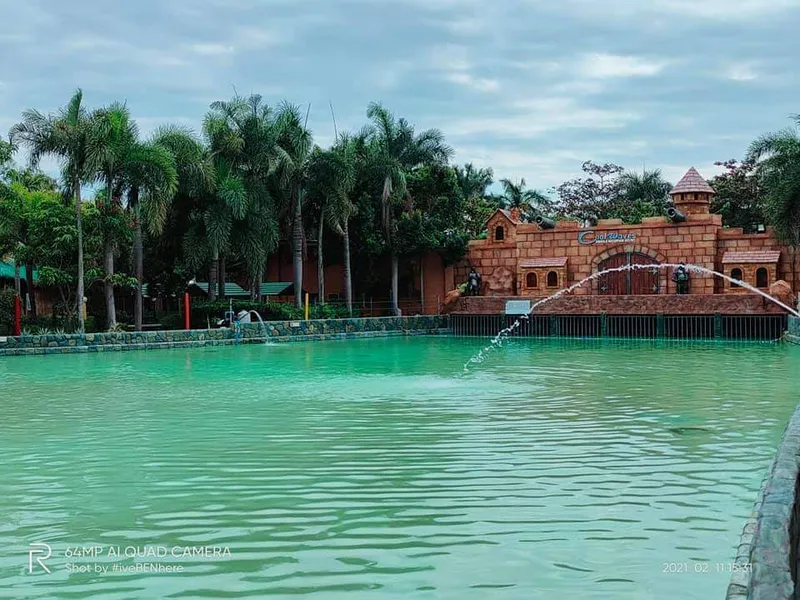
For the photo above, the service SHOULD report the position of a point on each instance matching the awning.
(752, 257)
(7, 271)
(276, 288)
(232, 290)
(541, 263)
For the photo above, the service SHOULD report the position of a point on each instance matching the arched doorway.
(635, 282)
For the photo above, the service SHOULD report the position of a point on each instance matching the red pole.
(17, 315)
(187, 317)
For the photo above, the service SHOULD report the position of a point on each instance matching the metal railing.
(674, 327)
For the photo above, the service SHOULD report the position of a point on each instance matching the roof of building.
(233, 290)
(506, 213)
(275, 288)
(7, 271)
(751, 256)
(535, 263)
(692, 182)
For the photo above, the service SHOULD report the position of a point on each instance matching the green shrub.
(7, 308)
(171, 321)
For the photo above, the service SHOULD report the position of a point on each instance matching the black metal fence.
(676, 327)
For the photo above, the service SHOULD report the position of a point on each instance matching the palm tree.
(647, 186)
(196, 178)
(151, 179)
(778, 168)
(65, 135)
(474, 181)
(147, 172)
(242, 137)
(394, 151)
(293, 155)
(528, 202)
(112, 134)
(479, 205)
(333, 177)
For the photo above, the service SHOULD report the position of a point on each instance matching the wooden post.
(307, 307)
(187, 316)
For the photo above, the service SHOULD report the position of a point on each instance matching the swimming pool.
(378, 469)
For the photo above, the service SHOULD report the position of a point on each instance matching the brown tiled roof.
(752, 256)
(507, 213)
(535, 263)
(692, 182)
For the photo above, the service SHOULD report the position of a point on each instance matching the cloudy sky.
(531, 88)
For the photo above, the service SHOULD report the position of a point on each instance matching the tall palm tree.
(147, 172)
(529, 202)
(778, 167)
(394, 150)
(196, 179)
(333, 178)
(112, 134)
(151, 180)
(65, 135)
(293, 159)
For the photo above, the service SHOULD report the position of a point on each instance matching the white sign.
(518, 307)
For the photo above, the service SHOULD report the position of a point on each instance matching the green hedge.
(7, 310)
(204, 312)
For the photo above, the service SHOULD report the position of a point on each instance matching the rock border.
(276, 331)
(767, 553)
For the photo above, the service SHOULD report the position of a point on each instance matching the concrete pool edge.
(768, 545)
(277, 331)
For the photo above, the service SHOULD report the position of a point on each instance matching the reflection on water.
(376, 469)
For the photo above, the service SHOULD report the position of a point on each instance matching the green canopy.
(232, 290)
(7, 271)
(275, 288)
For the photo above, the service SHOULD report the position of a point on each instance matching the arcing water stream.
(497, 341)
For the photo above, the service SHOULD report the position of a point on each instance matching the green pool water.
(378, 469)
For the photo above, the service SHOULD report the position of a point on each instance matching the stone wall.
(739, 304)
(277, 331)
(767, 554)
(700, 240)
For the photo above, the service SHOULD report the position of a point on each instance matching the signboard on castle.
(590, 238)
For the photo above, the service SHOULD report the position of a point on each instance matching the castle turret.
(692, 194)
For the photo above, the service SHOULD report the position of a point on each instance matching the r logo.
(42, 552)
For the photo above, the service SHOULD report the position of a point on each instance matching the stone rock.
(451, 301)
(782, 291)
(500, 282)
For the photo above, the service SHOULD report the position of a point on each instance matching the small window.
(552, 279)
(762, 278)
(499, 234)
(736, 274)
(532, 281)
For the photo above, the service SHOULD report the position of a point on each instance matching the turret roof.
(692, 182)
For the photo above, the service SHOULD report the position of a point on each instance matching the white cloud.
(528, 119)
(713, 10)
(476, 83)
(453, 62)
(741, 72)
(600, 65)
(211, 49)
